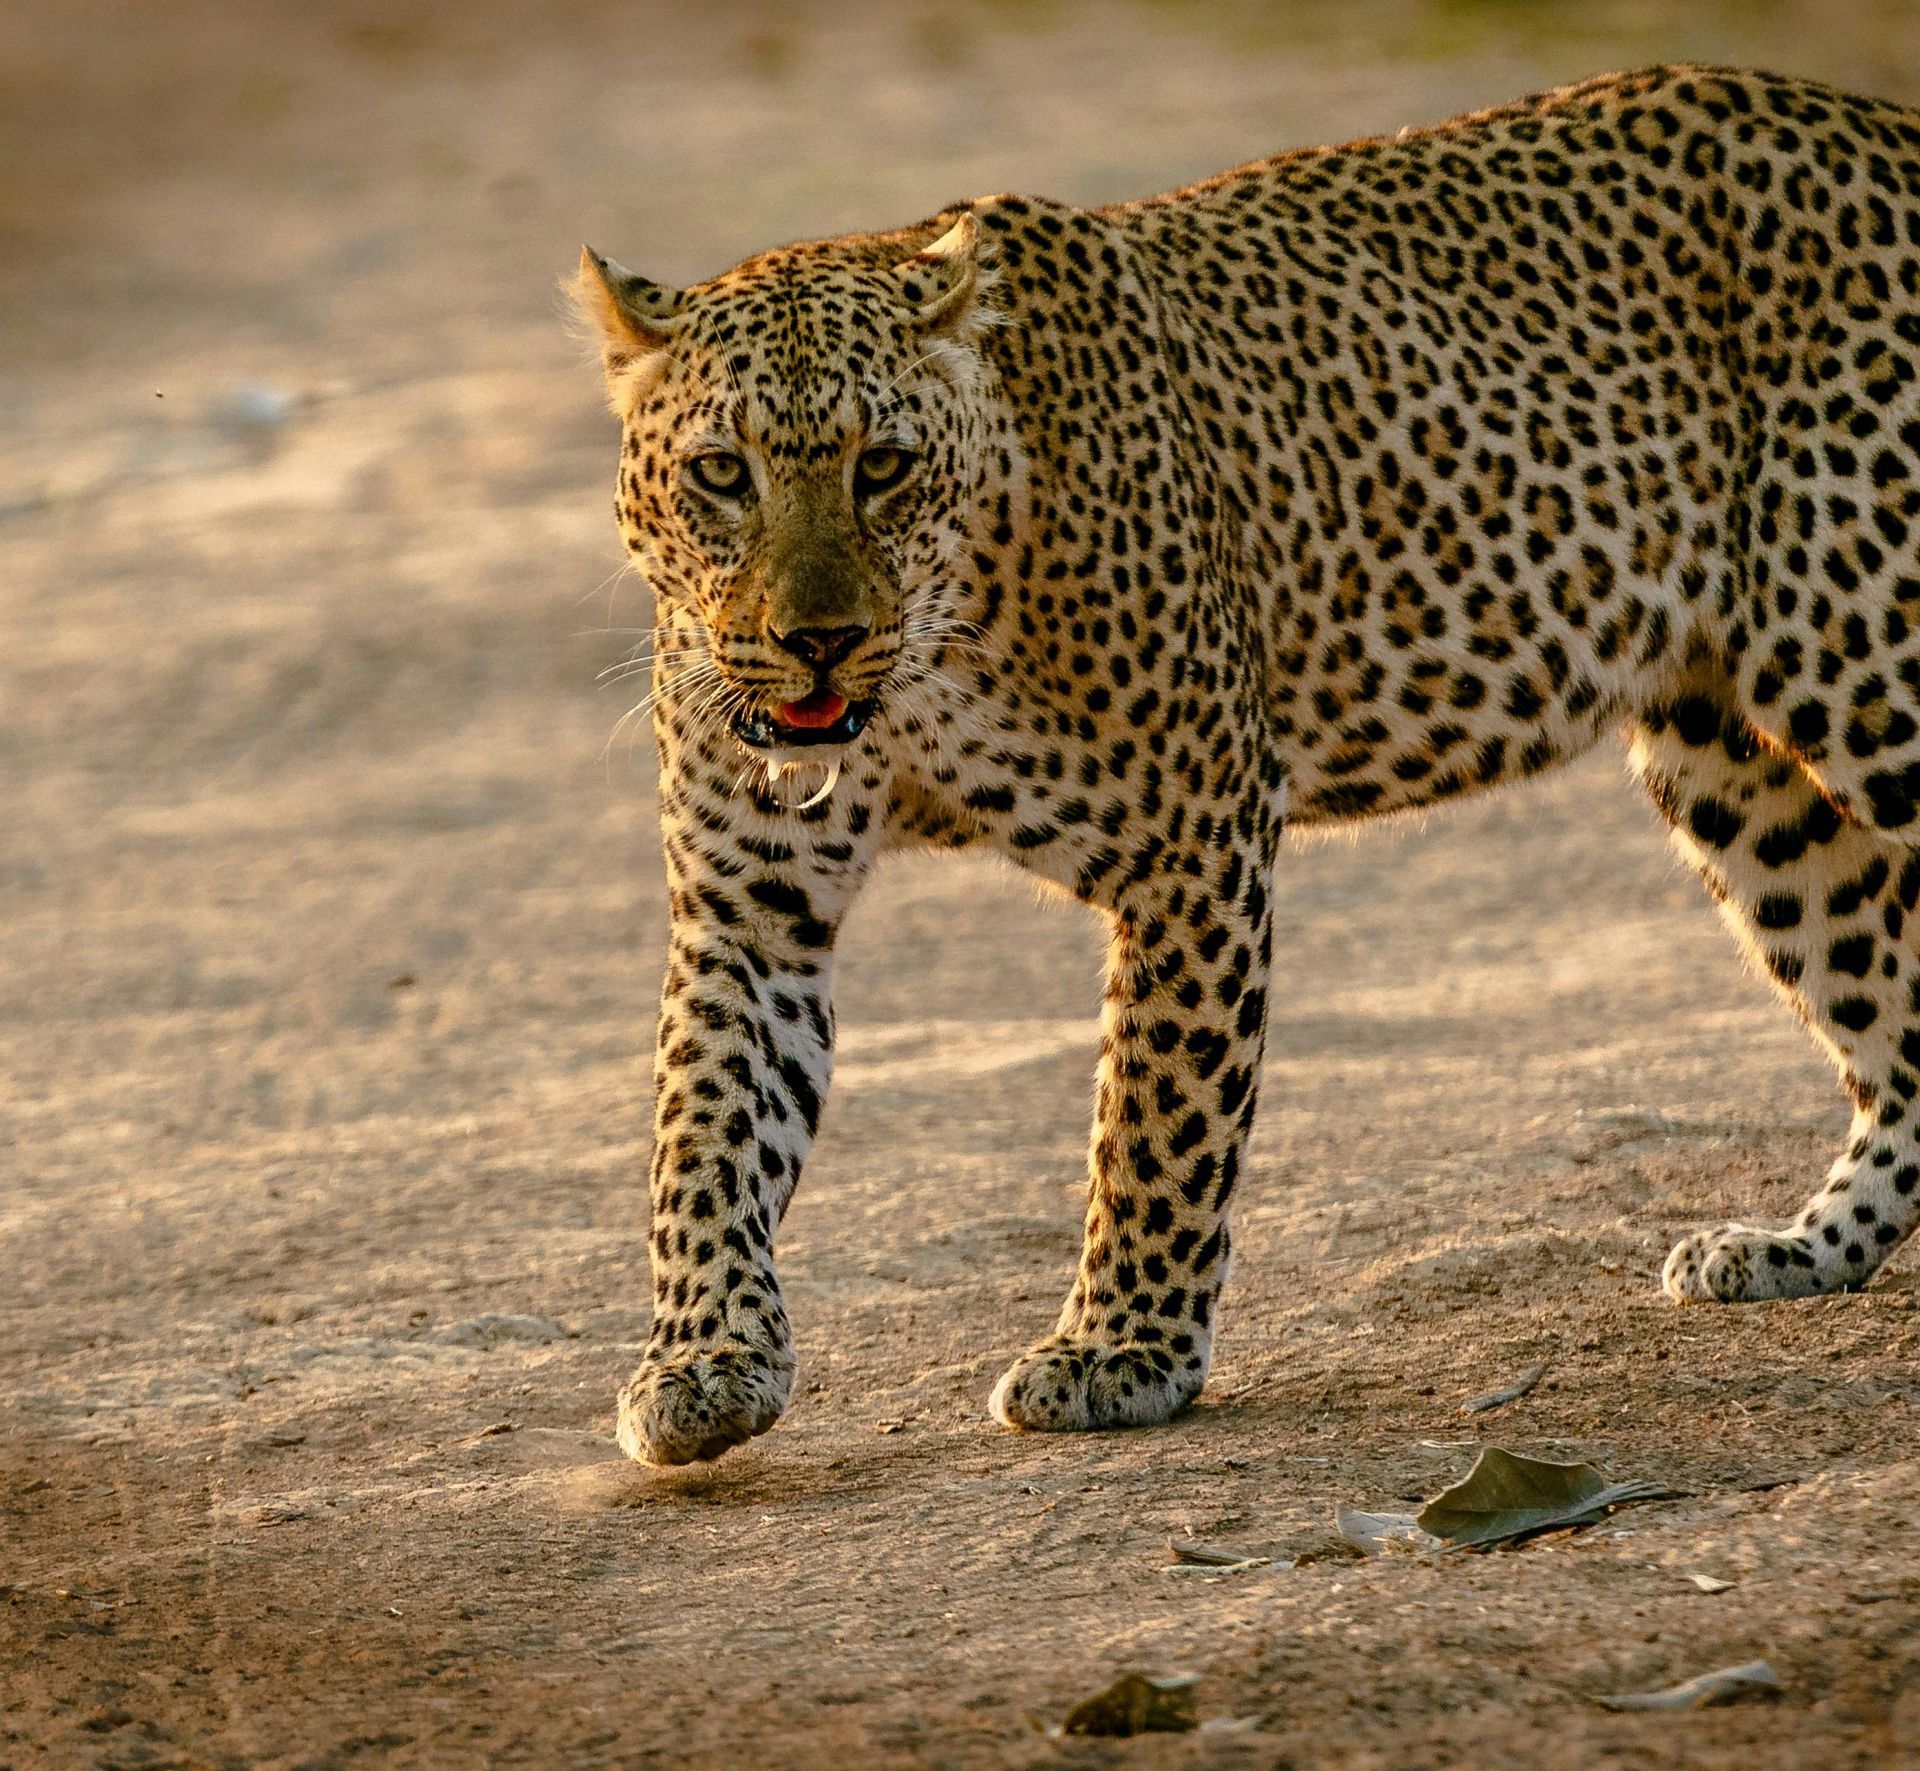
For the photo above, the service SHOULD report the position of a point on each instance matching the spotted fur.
(1346, 482)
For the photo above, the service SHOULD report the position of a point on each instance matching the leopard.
(1118, 542)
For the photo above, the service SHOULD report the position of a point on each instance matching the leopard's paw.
(676, 1410)
(1067, 1386)
(1737, 1264)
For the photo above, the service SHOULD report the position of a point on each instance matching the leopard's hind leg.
(1824, 904)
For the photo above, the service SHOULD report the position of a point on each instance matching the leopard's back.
(1504, 414)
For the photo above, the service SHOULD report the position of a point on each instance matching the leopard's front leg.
(745, 1051)
(1182, 1031)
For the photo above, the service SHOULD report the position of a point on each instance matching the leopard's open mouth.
(822, 717)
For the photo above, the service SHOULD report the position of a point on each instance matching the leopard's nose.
(821, 646)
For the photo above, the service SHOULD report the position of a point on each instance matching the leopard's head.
(805, 443)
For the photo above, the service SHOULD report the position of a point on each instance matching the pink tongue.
(821, 708)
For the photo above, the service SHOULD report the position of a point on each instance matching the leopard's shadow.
(753, 1475)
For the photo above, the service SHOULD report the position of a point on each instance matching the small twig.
(1510, 1393)
(1206, 1555)
(1722, 1686)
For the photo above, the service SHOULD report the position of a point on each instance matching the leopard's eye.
(880, 470)
(720, 473)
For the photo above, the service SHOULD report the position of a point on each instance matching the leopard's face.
(801, 460)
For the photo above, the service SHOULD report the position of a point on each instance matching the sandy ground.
(330, 929)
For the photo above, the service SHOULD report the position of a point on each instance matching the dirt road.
(330, 928)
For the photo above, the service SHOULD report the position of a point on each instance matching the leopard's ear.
(629, 315)
(941, 280)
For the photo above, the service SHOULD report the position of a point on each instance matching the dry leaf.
(1506, 1497)
(1379, 1533)
(1696, 1693)
(1139, 1703)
